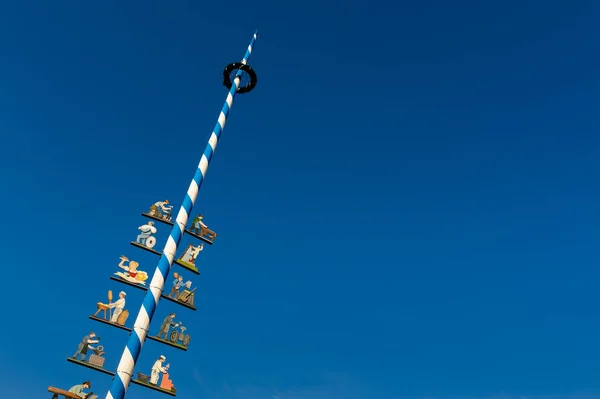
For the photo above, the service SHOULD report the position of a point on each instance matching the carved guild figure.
(145, 237)
(78, 390)
(158, 368)
(161, 210)
(85, 344)
(166, 325)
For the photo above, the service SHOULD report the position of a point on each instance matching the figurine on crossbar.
(145, 237)
(188, 258)
(75, 392)
(165, 326)
(78, 390)
(161, 210)
(201, 230)
(181, 291)
(131, 272)
(117, 312)
(85, 344)
(177, 284)
(158, 368)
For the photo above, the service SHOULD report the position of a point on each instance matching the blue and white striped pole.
(142, 322)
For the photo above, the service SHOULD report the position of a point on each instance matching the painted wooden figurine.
(117, 312)
(181, 291)
(158, 368)
(132, 274)
(201, 230)
(161, 210)
(75, 392)
(145, 237)
(165, 326)
(178, 337)
(118, 308)
(198, 225)
(188, 258)
(85, 344)
(78, 390)
(178, 284)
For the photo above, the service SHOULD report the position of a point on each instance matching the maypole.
(133, 348)
(132, 276)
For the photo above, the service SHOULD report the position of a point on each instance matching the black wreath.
(241, 67)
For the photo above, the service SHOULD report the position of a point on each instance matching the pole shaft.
(133, 348)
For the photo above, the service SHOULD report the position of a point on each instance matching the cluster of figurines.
(161, 211)
(180, 290)
(159, 376)
(131, 274)
(170, 331)
(89, 345)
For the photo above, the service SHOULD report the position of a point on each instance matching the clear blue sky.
(407, 204)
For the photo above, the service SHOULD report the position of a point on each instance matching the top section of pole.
(249, 50)
(232, 74)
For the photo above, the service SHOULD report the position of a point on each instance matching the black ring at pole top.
(241, 67)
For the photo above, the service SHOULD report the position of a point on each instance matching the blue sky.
(406, 204)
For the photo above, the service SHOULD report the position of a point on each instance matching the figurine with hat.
(158, 368)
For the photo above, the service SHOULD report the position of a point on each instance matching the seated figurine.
(161, 210)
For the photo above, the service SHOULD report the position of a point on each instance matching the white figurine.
(158, 368)
(145, 236)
